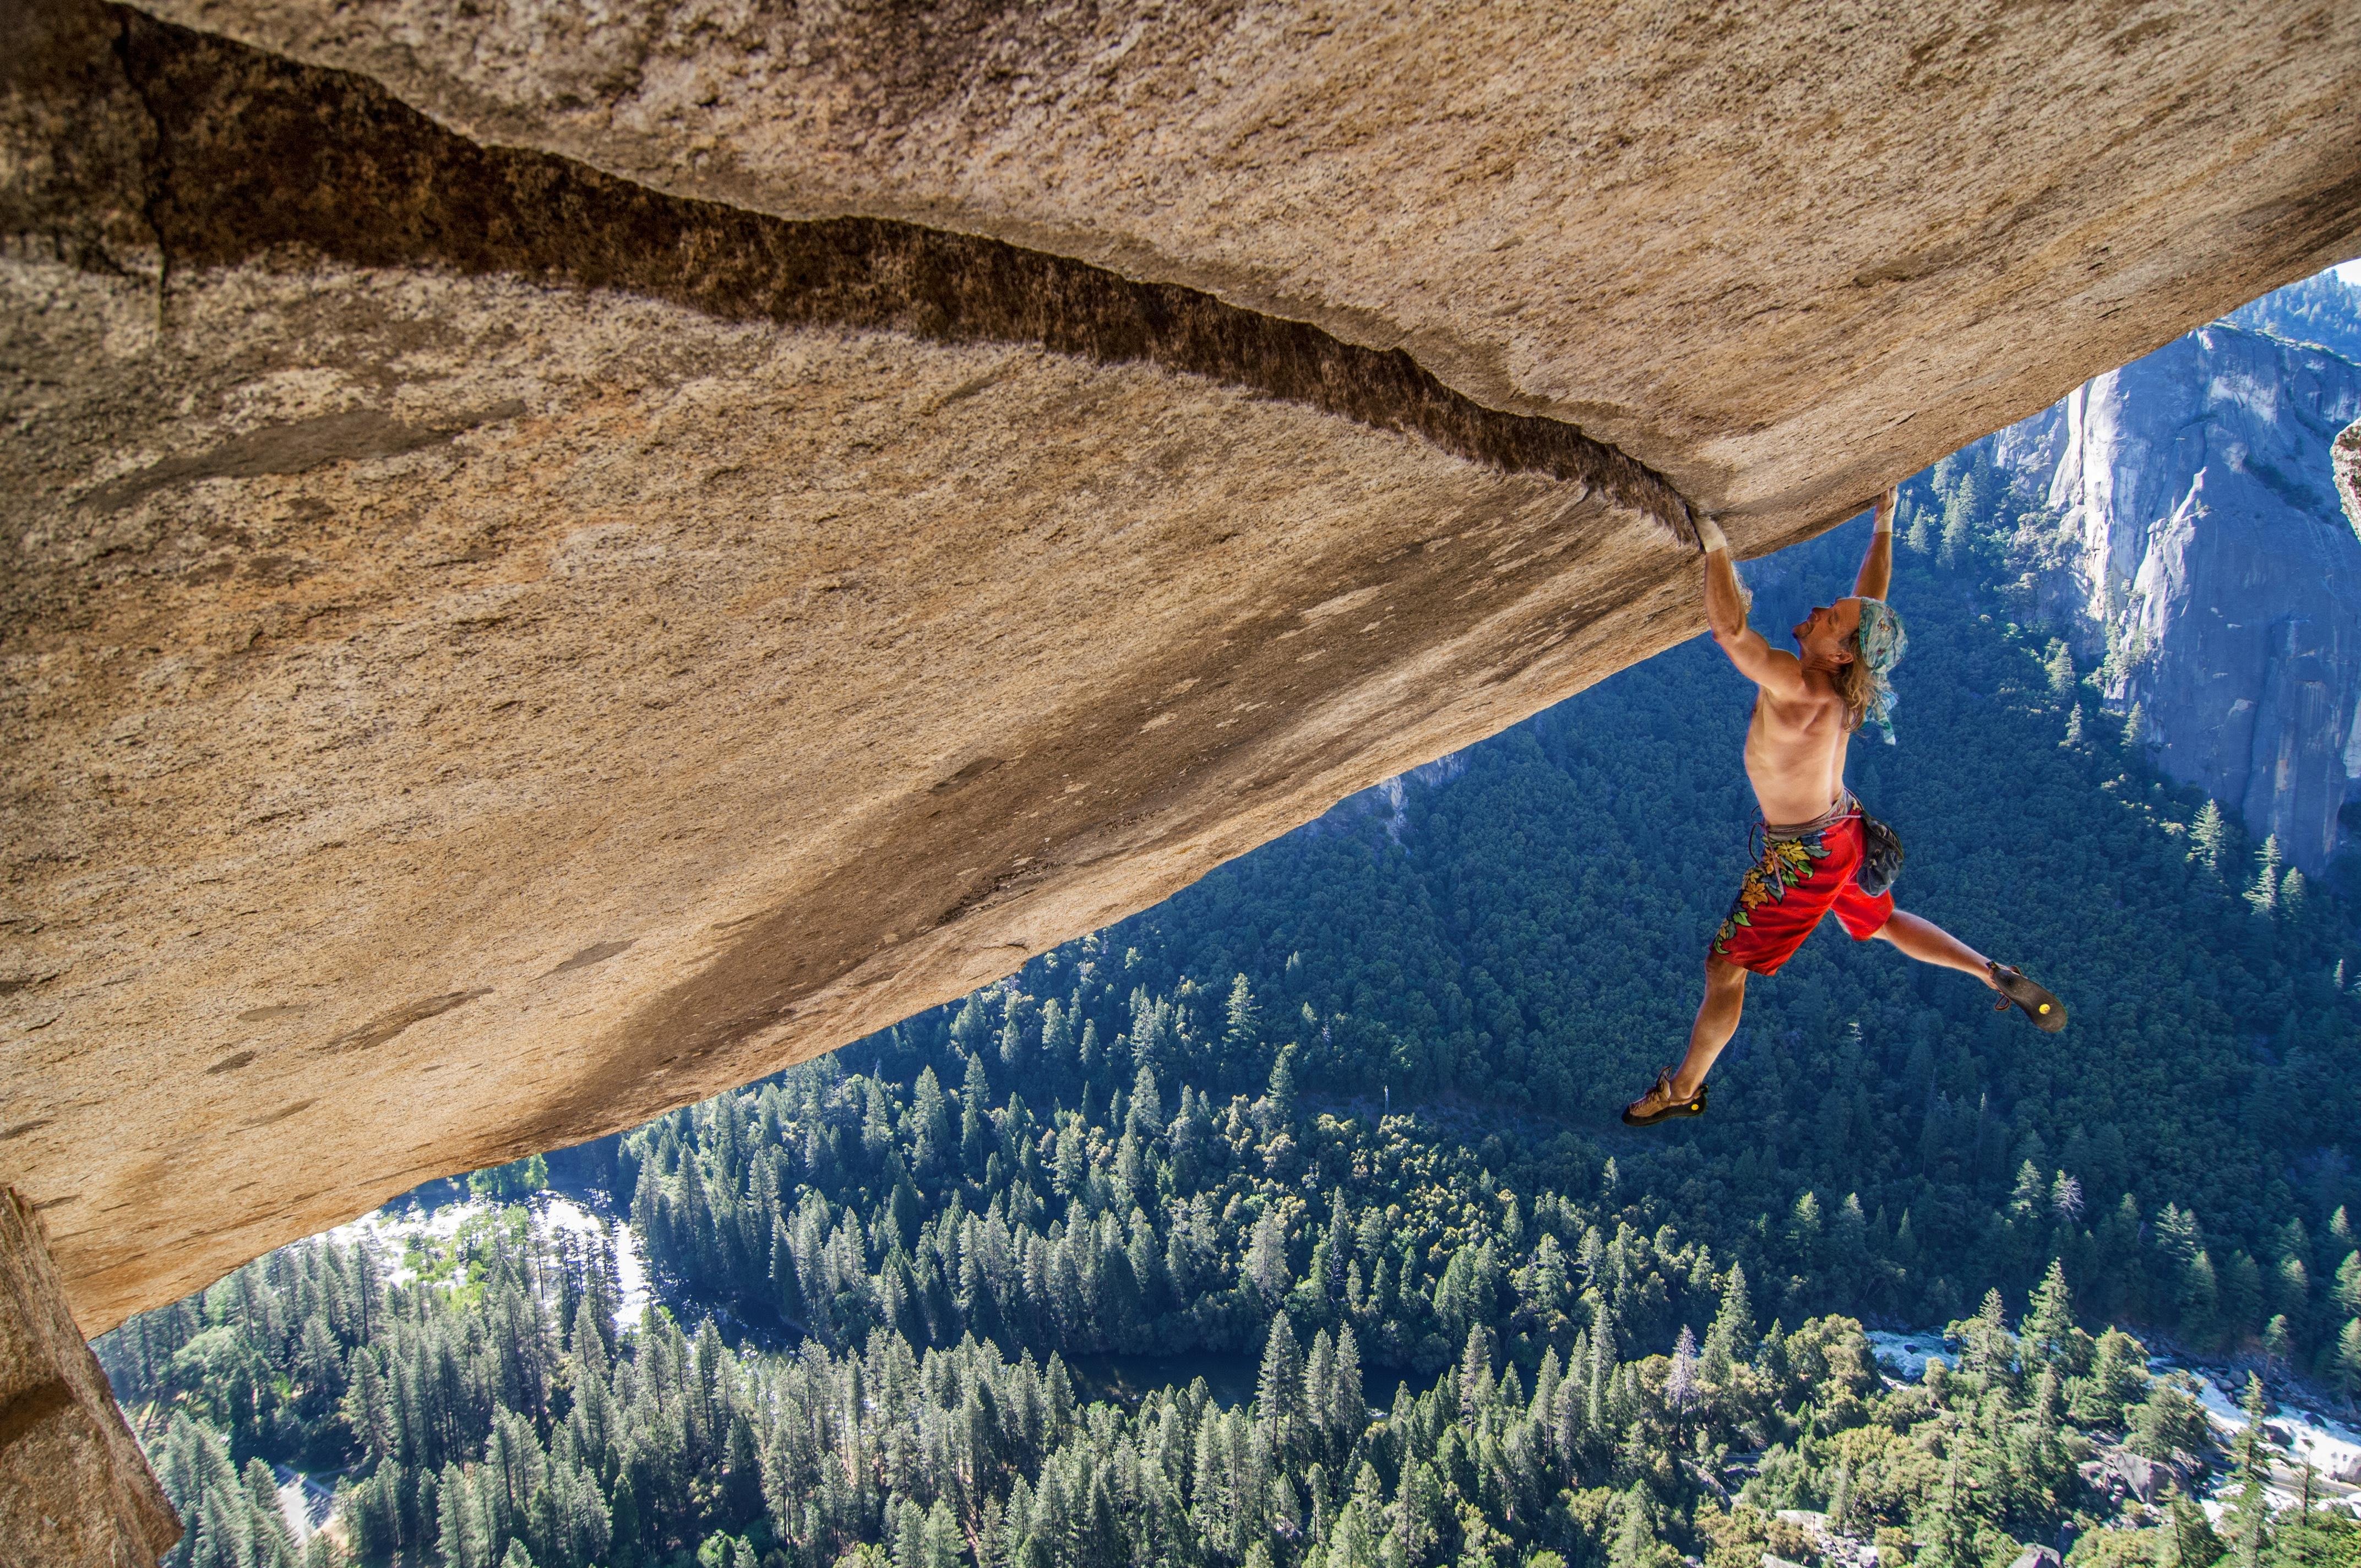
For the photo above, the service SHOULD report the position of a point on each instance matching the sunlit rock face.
(2345, 462)
(553, 566)
(1778, 254)
(2206, 567)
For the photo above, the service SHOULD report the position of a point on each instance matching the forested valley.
(1343, 1113)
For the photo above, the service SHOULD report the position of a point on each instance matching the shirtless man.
(1810, 705)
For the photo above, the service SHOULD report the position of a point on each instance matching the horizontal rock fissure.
(253, 153)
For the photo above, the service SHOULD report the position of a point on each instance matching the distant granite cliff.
(2346, 458)
(2177, 521)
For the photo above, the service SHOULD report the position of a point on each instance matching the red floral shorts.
(1797, 881)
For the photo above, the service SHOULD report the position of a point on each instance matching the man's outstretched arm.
(1725, 613)
(1877, 567)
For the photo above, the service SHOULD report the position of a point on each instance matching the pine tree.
(1013, 1054)
(1962, 510)
(1604, 1366)
(1681, 1391)
(976, 1094)
(1146, 1115)
(1057, 1037)
(1282, 1088)
(2346, 1291)
(2059, 667)
(1638, 1541)
(940, 1543)
(2208, 837)
(1348, 1410)
(1920, 533)
(1280, 1407)
(2066, 1198)
(1476, 1388)
(1266, 1263)
(1351, 1542)
(1319, 1381)
(2027, 1198)
(2047, 1333)
(1418, 1513)
(2118, 1371)
(1243, 1031)
(1730, 1338)
(2347, 1361)
(2264, 896)
(2201, 1303)
(2250, 1469)
(2279, 1343)
(1804, 1229)
(2135, 727)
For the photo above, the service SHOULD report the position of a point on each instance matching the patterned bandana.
(1883, 643)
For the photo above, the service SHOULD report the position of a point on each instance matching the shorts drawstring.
(1848, 806)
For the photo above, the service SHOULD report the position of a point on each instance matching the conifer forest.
(1288, 1224)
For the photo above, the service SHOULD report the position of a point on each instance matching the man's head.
(1858, 642)
(1829, 637)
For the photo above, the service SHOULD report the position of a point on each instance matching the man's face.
(1826, 636)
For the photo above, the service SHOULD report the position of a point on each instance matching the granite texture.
(453, 710)
(2189, 542)
(2344, 467)
(74, 1490)
(1780, 253)
(551, 568)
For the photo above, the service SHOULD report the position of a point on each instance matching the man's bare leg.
(1716, 1020)
(1930, 944)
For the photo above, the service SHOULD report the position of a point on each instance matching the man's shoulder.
(1801, 690)
(1783, 674)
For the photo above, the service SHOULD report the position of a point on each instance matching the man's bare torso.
(1796, 751)
(1796, 743)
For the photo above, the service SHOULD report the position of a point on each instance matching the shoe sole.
(2041, 1009)
(1670, 1114)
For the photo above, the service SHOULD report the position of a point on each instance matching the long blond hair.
(1857, 683)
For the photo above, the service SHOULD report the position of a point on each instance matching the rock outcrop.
(2194, 543)
(74, 1491)
(2345, 464)
(556, 564)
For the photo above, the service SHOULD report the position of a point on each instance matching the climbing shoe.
(2040, 1008)
(1667, 1106)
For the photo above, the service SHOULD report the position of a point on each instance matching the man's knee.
(1720, 974)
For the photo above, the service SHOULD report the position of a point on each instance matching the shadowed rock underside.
(542, 583)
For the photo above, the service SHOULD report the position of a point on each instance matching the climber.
(1827, 855)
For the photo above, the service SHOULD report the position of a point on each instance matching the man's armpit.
(1772, 669)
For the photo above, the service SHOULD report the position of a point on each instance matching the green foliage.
(511, 1182)
(1172, 1137)
(1511, 940)
(504, 1422)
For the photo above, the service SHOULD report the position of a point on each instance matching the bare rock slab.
(75, 1492)
(554, 566)
(1782, 253)
(459, 705)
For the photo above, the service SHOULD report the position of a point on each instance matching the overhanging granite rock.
(736, 533)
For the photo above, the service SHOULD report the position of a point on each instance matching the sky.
(2350, 271)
